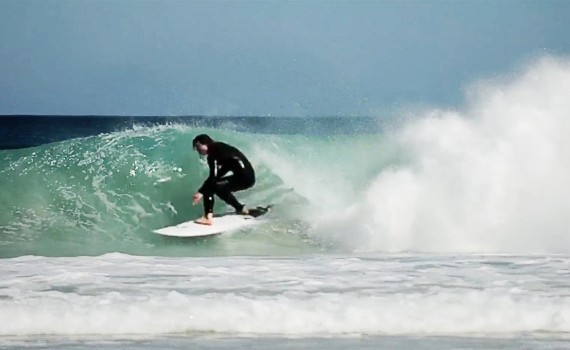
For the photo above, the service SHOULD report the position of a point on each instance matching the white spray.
(494, 177)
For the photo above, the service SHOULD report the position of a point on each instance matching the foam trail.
(116, 313)
(491, 178)
(318, 295)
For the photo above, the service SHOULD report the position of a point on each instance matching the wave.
(490, 177)
(108, 192)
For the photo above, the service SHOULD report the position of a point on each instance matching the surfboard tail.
(258, 211)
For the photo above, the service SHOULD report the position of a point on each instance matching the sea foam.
(489, 177)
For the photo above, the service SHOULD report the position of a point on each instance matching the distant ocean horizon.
(30, 130)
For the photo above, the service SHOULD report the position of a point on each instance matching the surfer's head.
(201, 143)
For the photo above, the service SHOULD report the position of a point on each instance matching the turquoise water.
(107, 193)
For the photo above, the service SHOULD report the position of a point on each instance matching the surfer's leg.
(227, 196)
(208, 200)
(225, 188)
(208, 204)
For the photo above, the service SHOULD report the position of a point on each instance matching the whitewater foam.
(490, 178)
(374, 295)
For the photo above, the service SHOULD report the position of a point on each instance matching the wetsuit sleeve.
(208, 185)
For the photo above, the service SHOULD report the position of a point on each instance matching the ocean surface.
(437, 229)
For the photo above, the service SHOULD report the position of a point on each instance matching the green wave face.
(107, 193)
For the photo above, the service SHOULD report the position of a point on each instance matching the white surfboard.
(224, 223)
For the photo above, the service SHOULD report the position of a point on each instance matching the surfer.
(222, 159)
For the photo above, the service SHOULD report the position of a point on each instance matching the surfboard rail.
(221, 223)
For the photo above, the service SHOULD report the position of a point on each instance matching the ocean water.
(438, 229)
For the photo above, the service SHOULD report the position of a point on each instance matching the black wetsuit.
(223, 158)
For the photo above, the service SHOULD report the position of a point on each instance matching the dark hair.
(203, 139)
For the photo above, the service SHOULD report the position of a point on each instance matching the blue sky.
(298, 58)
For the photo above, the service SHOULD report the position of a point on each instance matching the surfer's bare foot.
(244, 211)
(205, 220)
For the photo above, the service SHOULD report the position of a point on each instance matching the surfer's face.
(201, 149)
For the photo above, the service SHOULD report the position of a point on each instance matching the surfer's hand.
(197, 197)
